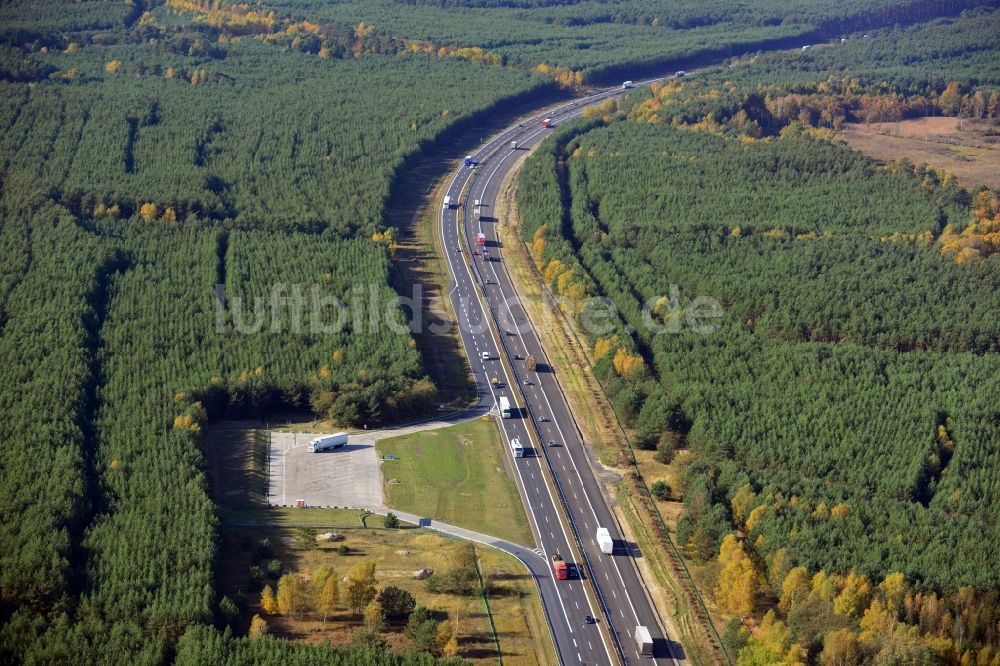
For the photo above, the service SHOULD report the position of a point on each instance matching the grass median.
(456, 475)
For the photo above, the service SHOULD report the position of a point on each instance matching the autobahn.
(563, 498)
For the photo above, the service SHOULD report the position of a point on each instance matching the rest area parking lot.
(344, 477)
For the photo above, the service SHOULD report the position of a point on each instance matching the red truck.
(559, 567)
(481, 240)
(547, 122)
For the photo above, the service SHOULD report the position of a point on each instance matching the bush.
(396, 602)
(734, 637)
(660, 490)
(274, 568)
(421, 628)
(305, 538)
(344, 549)
(665, 451)
(391, 521)
(229, 610)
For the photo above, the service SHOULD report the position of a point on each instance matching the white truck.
(605, 541)
(516, 448)
(628, 84)
(513, 145)
(643, 641)
(328, 442)
(504, 407)
(447, 202)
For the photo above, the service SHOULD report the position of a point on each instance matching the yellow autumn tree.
(169, 215)
(324, 590)
(258, 627)
(893, 589)
(824, 586)
(841, 511)
(840, 648)
(742, 501)
(878, 620)
(267, 601)
(853, 596)
(374, 616)
(755, 517)
(538, 242)
(450, 648)
(552, 269)
(290, 594)
(627, 364)
(603, 346)
(794, 589)
(564, 280)
(112, 66)
(739, 580)
(361, 587)
(149, 211)
(443, 634)
(772, 645)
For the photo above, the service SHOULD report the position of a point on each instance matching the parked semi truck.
(504, 407)
(559, 567)
(328, 442)
(643, 641)
(605, 541)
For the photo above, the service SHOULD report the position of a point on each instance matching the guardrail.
(489, 614)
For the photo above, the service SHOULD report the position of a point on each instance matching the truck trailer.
(447, 202)
(481, 240)
(516, 448)
(547, 122)
(605, 541)
(328, 442)
(643, 641)
(504, 407)
(559, 567)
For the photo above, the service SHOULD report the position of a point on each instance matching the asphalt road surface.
(621, 602)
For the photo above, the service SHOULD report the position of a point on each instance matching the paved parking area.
(347, 477)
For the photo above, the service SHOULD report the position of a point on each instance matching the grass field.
(969, 149)
(456, 475)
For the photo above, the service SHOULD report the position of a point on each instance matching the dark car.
(587, 619)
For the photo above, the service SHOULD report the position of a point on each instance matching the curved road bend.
(622, 601)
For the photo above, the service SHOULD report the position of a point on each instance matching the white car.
(486, 356)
